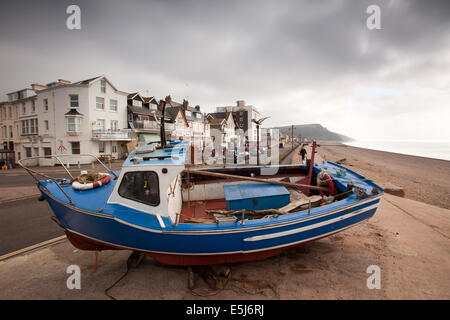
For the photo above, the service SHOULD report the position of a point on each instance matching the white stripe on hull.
(310, 227)
(234, 252)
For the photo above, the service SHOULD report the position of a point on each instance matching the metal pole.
(162, 131)
(257, 144)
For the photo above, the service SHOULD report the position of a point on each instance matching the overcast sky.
(297, 61)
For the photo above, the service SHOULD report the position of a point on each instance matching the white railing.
(111, 134)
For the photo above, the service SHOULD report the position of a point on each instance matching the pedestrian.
(303, 153)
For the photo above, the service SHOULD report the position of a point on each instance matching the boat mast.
(162, 129)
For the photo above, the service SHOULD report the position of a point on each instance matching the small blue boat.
(185, 215)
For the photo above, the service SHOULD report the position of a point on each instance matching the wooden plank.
(232, 176)
(302, 202)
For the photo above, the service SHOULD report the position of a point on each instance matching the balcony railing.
(151, 125)
(110, 135)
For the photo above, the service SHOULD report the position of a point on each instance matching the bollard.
(79, 165)
(68, 164)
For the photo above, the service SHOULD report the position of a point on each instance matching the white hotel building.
(85, 117)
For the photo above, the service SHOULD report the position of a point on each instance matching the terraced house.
(189, 123)
(144, 118)
(19, 125)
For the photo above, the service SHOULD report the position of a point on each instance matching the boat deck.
(196, 209)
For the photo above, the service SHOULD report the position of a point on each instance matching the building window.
(113, 149)
(27, 152)
(73, 124)
(25, 126)
(101, 146)
(33, 126)
(24, 108)
(47, 152)
(10, 112)
(100, 103)
(75, 147)
(113, 105)
(188, 113)
(4, 113)
(33, 106)
(141, 186)
(46, 125)
(114, 125)
(100, 125)
(4, 132)
(102, 86)
(45, 104)
(137, 103)
(74, 101)
(10, 132)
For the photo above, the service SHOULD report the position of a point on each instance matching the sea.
(438, 149)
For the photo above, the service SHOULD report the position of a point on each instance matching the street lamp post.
(258, 123)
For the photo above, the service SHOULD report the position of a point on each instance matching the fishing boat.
(181, 214)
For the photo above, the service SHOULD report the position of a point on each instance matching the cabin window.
(141, 186)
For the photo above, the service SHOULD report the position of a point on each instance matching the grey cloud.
(218, 51)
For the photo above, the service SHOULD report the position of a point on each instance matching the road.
(288, 159)
(24, 223)
(20, 179)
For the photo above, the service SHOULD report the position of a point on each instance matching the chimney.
(185, 104)
(37, 87)
(240, 103)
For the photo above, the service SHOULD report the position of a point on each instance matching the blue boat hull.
(192, 245)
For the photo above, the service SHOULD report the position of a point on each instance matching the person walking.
(303, 153)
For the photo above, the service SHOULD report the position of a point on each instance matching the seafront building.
(65, 118)
(85, 117)
(18, 122)
(243, 115)
(144, 119)
(93, 117)
(189, 123)
(224, 123)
